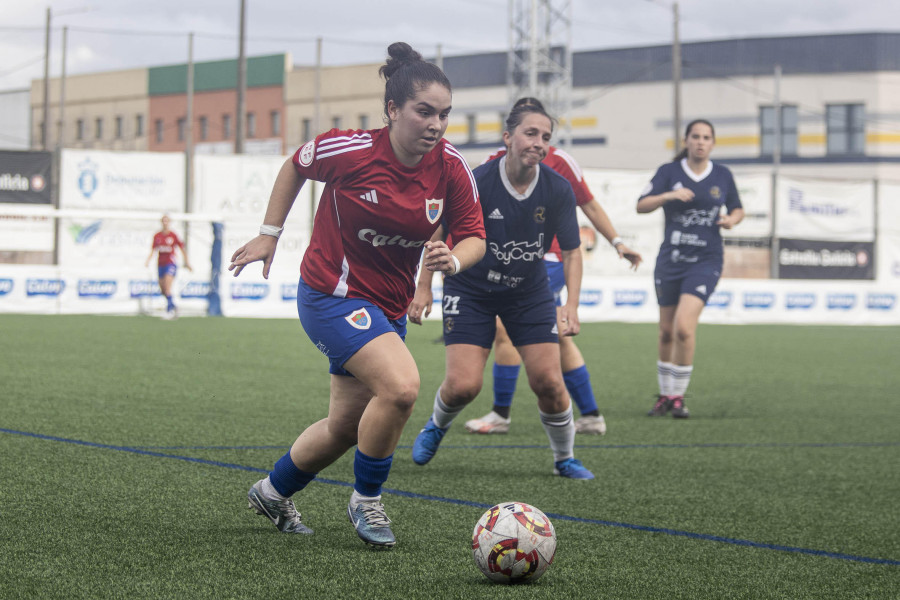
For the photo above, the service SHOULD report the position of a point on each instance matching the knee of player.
(455, 391)
(548, 385)
(684, 334)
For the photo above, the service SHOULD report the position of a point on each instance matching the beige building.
(840, 115)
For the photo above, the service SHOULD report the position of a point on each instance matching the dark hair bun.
(400, 54)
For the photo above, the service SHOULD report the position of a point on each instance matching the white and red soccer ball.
(513, 542)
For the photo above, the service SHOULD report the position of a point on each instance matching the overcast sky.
(117, 34)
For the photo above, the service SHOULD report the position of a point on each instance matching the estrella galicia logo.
(83, 233)
(873, 301)
(196, 289)
(143, 288)
(841, 301)
(93, 288)
(590, 297)
(249, 291)
(630, 297)
(720, 299)
(44, 287)
(289, 292)
(801, 301)
(763, 300)
(6, 286)
(87, 178)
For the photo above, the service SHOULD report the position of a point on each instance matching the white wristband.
(616, 241)
(275, 232)
(455, 264)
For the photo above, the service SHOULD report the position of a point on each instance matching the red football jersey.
(376, 214)
(561, 162)
(165, 242)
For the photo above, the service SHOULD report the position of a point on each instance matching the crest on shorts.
(434, 209)
(359, 319)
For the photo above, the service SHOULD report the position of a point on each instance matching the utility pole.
(241, 84)
(189, 127)
(45, 128)
(676, 78)
(61, 132)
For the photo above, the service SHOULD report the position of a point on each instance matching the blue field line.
(481, 505)
(583, 446)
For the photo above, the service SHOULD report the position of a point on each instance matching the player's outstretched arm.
(601, 221)
(284, 192)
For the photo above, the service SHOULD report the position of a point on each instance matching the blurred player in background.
(692, 191)
(575, 373)
(164, 243)
(386, 193)
(525, 205)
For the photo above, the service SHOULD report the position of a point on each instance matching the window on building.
(226, 127)
(336, 122)
(139, 126)
(98, 128)
(42, 131)
(275, 117)
(251, 125)
(182, 129)
(159, 130)
(79, 129)
(363, 121)
(472, 128)
(306, 130)
(204, 128)
(768, 133)
(845, 128)
(119, 127)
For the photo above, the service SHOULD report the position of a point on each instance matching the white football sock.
(681, 377)
(443, 415)
(560, 430)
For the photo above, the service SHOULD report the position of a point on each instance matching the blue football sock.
(170, 305)
(505, 379)
(578, 382)
(287, 479)
(371, 473)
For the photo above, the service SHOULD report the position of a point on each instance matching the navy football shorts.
(470, 315)
(340, 327)
(700, 281)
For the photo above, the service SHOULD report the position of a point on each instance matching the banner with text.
(25, 177)
(825, 210)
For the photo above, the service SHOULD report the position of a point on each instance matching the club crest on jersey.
(359, 319)
(307, 153)
(715, 192)
(539, 214)
(434, 209)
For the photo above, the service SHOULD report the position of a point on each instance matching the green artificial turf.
(127, 445)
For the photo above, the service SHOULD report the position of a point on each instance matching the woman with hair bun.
(386, 192)
(692, 191)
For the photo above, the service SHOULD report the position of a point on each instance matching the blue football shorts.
(340, 327)
(700, 281)
(164, 270)
(470, 315)
(556, 277)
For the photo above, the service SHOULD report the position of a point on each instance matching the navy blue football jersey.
(520, 227)
(692, 235)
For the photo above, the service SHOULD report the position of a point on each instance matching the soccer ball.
(513, 542)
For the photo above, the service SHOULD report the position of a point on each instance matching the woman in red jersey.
(165, 242)
(386, 193)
